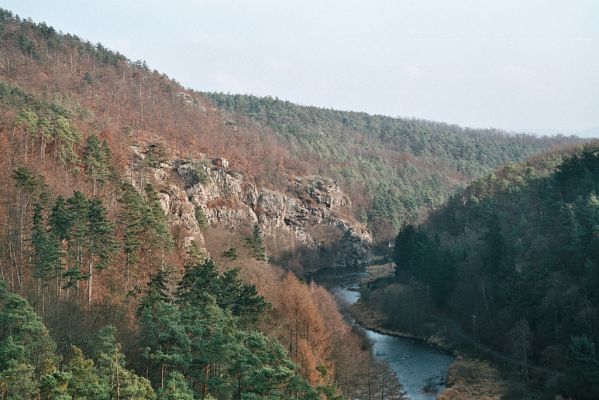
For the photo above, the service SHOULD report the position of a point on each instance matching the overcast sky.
(511, 64)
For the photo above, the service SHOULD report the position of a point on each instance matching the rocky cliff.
(312, 213)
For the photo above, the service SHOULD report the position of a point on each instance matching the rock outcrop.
(313, 212)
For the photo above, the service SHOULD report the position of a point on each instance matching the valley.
(161, 242)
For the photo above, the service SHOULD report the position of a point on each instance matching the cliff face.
(312, 214)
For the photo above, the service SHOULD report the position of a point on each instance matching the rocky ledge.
(312, 213)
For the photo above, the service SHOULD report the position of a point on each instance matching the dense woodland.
(396, 169)
(99, 296)
(514, 258)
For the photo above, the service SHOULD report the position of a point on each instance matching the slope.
(397, 169)
(514, 258)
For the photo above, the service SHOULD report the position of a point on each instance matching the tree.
(156, 224)
(29, 339)
(45, 252)
(582, 378)
(132, 219)
(164, 338)
(30, 190)
(96, 161)
(17, 375)
(521, 344)
(53, 386)
(176, 388)
(122, 383)
(100, 241)
(85, 383)
(78, 211)
(241, 299)
(60, 231)
(256, 244)
(66, 136)
(263, 369)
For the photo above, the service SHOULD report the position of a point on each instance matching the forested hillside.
(109, 167)
(101, 294)
(515, 258)
(397, 169)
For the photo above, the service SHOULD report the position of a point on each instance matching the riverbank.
(421, 368)
(468, 377)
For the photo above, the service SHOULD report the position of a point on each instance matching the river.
(416, 364)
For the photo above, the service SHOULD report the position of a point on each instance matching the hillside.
(396, 169)
(514, 258)
(148, 231)
(136, 231)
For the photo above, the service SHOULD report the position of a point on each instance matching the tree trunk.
(90, 281)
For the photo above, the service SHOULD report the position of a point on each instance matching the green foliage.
(46, 252)
(230, 253)
(155, 221)
(132, 217)
(145, 227)
(518, 249)
(423, 257)
(97, 161)
(32, 185)
(402, 165)
(200, 217)
(27, 353)
(122, 382)
(206, 336)
(85, 382)
(101, 244)
(582, 380)
(176, 388)
(155, 155)
(19, 321)
(256, 244)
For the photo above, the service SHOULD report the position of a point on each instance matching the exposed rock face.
(311, 206)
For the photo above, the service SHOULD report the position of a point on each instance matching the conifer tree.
(31, 340)
(78, 209)
(132, 218)
(256, 244)
(159, 236)
(111, 362)
(45, 253)
(96, 161)
(100, 241)
(60, 228)
(85, 383)
(165, 341)
(176, 388)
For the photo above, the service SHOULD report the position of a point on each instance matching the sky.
(518, 65)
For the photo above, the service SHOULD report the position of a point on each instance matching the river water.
(420, 368)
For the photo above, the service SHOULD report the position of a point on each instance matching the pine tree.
(85, 383)
(78, 209)
(31, 189)
(60, 228)
(159, 236)
(176, 388)
(96, 161)
(164, 338)
(19, 321)
(111, 362)
(45, 252)
(256, 244)
(100, 241)
(132, 218)
(17, 375)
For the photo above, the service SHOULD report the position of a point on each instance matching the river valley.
(420, 368)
